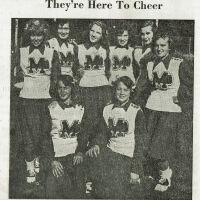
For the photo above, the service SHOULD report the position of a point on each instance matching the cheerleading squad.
(106, 116)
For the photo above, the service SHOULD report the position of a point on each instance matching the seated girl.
(65, 178)
(117, 151)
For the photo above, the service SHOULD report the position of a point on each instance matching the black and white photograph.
(101, 109)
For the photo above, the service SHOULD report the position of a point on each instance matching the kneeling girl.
(65, 178)
(117, 153)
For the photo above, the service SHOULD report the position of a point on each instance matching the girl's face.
(147, 35)
(122, 92)
(123, 38)
(64, 92)
(95, 33)
(36, 40)
(162, 47)
(63, 31)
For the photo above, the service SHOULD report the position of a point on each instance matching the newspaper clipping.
(100, 100)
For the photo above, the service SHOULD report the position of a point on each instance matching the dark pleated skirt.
(30, 115)
(94, 99)
(166, 138)
(110, 175)
(69, 186)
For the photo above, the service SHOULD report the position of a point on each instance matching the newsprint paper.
(99, 99)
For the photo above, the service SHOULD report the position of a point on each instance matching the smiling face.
(95, 33)
(162, 47)
(123, 38)
(63, 31)
(64, 92)
(36, 40)
(122, 92)
(146, 35)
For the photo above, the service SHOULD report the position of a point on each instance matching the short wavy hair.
(104, 39)
(165, 34)
(37, 27)
(62, 22)
(67, 81)
(127, 82)
(150, 23)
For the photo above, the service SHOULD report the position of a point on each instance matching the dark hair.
(127, 82)
(104, 40)
(165, 34)
(62, 22)
(119, 30)
(149, 23)
(153, 26)
(67, 81)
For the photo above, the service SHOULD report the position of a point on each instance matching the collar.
(89, 45)
(144, 48)
(122, 47)
(125, 106)
(41, 48)
(165, 61)
(60, 41)
(64, 105)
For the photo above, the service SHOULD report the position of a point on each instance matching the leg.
(59, 187)
(77, 177)
(163, 146)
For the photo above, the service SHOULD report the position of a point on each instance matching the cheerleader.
(67, 51)
(147, 32)
(36, 61)
(163, 112)
(119, 146)
(143, 54)
(94, 69)
(65, 178)
(121, 57)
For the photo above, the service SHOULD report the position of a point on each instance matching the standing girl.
(67, 51)
(94, 69)
(143, 54)
(163, 112)
(147, 33)
(36, 61)
(121, 57)
(118, 148)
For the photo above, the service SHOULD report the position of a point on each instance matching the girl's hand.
(134, 178)
(93, 151)
(57, 169)
(47, 72)
(78, 158)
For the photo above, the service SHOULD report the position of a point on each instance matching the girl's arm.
(55, 70)
(135, 66)
(107, 64)
(143, 87)
(75, 66)
(23, 67)
(185, 92)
